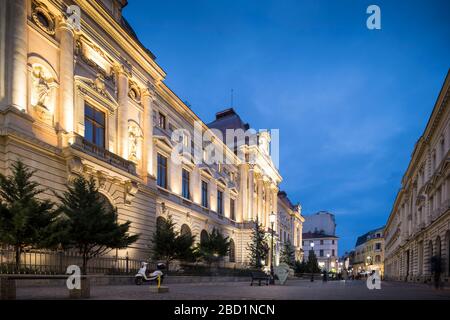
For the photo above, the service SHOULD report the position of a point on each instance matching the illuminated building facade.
(92, 101)
(418, 227)
(369, 252)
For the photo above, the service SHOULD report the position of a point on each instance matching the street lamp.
(272, 219)
(328, 262)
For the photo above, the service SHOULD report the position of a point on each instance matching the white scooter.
(145, 275)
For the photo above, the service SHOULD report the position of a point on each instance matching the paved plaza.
(293, 290)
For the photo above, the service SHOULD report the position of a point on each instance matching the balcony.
(102, 154)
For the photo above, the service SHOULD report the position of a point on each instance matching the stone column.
(259, 199)
(251, 190)
(268, 196)
(147, 155)
(275, 203)
(18, 54)
(66, 76)
(122, 116)
(242, 212)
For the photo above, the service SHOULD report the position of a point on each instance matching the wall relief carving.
(43, 93)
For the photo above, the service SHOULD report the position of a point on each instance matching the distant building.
(319, 234)
(321, 221)
(369, 252)
(325, 247)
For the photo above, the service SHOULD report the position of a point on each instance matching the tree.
(89, 223)
(214, 247)
(300, 267)
(169, 245)
(258, 247)
(25, 221)
(312, 265)
(288, 254)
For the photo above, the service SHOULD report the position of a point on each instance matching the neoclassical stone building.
(419, 224)
(91, 100)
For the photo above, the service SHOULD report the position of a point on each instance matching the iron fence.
(56, 262)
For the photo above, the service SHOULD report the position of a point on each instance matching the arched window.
(106, 204)
(185, 230)
(203, 236)
(232, 251)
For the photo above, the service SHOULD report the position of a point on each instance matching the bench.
(8, 285)
(260, 276)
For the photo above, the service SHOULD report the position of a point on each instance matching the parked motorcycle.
(145, 275)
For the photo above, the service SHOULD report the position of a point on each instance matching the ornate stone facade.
(92, 101)
(418, 227)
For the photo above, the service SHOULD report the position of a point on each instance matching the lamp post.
(328, 262)
(272, 219)
(312, 249)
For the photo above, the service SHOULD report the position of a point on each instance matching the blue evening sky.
(350, 103)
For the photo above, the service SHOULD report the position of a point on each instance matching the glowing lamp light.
(272, 217)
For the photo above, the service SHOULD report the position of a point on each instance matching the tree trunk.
(18, 250)
(85, 261)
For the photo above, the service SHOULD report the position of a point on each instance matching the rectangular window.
(94, 121)
(162, 121)
(220, 202)
(377, 246)
(232, 210)
(321, 253)
(162, 171)
(321, 242)
(205, 202)
(185, 184)
(332, 241)
(332, 253)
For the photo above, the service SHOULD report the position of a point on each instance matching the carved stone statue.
(42, 87)
(134, 141)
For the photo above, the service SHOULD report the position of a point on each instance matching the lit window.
(162, 171)
(185, 184)
(220, 202)
(205, 202)
(162, 121)
(94, 121)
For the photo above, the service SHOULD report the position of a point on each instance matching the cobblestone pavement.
(293, 290)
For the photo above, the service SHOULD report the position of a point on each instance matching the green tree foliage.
(288, 254)
(214, 247)
(25, 221)
(312, 264)
(300, 267)
(89, 223)
(258, 247)
(169, 244)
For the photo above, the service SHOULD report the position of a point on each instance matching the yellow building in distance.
(369, 253)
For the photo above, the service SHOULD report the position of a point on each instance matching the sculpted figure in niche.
(134, 142)
(43, 85)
